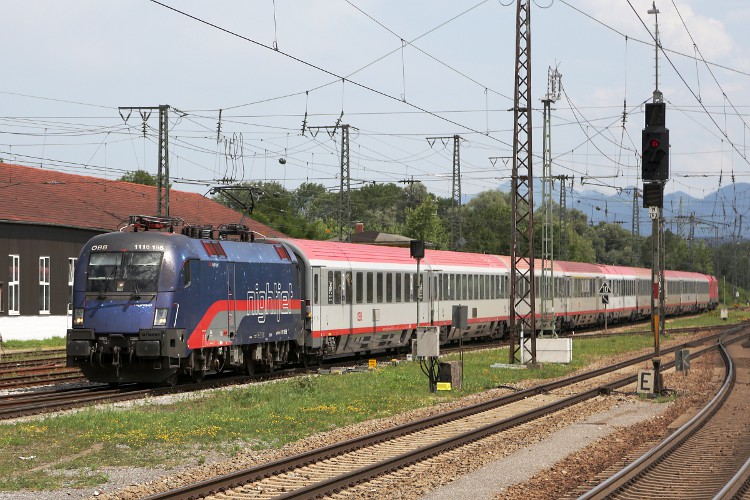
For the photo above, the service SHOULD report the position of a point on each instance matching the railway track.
(22, 404)
(35, 368)
(705, 458)
(42, 371)
(337, 467)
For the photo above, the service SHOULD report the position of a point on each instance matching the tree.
(422, 223)
(487, 223)
(140, 177)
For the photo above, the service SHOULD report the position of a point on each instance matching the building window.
(72, 271)
(14, 284)
(43, 285)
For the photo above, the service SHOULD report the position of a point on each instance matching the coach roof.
(328, 251)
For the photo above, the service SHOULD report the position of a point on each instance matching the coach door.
(318, 294)
(429, 289)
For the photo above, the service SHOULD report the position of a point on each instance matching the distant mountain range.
(722, 214)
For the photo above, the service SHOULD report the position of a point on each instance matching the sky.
(396, 72)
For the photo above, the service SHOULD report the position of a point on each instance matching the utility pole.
(635, 224)
(457, 239)
(345, 199)
(162, 178)
(345, 196)
(563, 254)
(547, 295)
(522, 293)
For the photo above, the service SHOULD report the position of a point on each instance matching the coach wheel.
(197, 376)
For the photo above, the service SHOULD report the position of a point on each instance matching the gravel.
(548, 458)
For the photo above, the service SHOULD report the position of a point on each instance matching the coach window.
(407, 287)
(399, 286)
(360, 288)
(337, 287)
(369, 288)
(379, 295)
(348, 287)
(470, 286)
(316, 283)
(389, 287)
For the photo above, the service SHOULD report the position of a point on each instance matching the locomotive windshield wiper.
(135, 295)
(106, 280)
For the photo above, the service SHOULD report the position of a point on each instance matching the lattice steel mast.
(456, 237)
(522, 292)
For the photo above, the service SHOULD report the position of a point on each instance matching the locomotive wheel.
(249, 365)
(171, 381)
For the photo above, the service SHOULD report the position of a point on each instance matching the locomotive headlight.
(160, 318)
(78, 317)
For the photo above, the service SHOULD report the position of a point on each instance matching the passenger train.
(150, 306)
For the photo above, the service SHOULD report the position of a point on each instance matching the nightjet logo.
(269, 300)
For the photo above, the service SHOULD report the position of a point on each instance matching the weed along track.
(351, 464)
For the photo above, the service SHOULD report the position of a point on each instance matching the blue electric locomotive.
(150, 306)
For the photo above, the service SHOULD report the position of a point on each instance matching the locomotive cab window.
(135, 272)
(189, 268)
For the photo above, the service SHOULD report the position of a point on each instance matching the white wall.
(33, 327)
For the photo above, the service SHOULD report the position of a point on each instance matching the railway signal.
(655, 144)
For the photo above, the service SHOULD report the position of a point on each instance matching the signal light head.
(654, 143)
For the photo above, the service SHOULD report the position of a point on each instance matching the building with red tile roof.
(47, 197)
(46, 217)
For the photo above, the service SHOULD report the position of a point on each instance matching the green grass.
(69, 449)
(30, 345)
